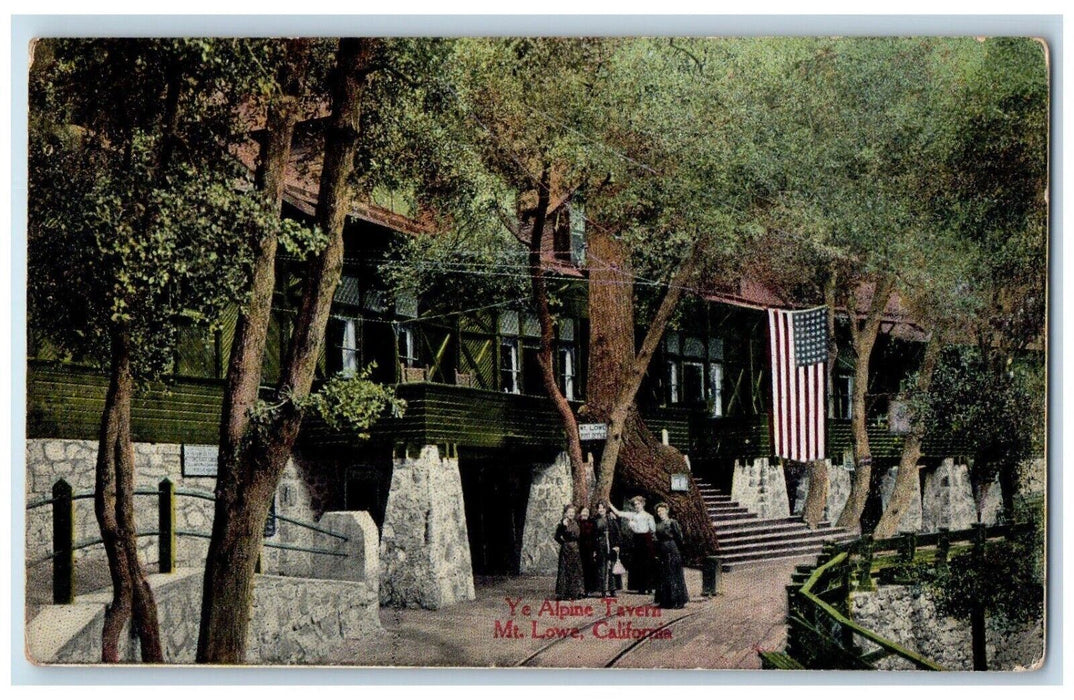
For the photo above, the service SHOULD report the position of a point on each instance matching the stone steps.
(748, 540)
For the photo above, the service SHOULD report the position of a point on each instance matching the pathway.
(722, 632)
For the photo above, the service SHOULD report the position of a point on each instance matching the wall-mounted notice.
(199, 460)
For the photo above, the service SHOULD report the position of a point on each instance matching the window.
(566, 372)
(673, 381)
(843, 391)
(349, 348)
(693, 382)
(510, 369)
(408, 356)
(716, 388)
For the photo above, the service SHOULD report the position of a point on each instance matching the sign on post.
(593, 431)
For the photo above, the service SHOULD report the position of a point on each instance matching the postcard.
(635, 352)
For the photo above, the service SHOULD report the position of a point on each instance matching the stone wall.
(302, 495)
(424, 548)
(947, 498)
(761, 488)
(48, 460)
(907, 616)
(294, 621)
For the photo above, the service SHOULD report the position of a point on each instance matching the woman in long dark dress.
(671, 582)
(587, 545)
(606, 536)
(570, 584)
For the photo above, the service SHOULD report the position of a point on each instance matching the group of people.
(649, 548)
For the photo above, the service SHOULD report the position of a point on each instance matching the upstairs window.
(510, 368)
(693, 382)
(673, 381)
(716, 388)
(566, 372)
(349, 348)
(842, 393)
(408, 354)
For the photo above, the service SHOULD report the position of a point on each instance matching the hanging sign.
(593, 431)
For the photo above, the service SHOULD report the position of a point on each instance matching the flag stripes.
(798, 345)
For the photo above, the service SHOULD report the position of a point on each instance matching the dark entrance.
(366, 487)
(495, 489)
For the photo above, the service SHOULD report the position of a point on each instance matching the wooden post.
(865, 572)
(166, 526)
(943, 549)
(63, 542)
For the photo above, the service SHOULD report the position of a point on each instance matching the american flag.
(799, 344)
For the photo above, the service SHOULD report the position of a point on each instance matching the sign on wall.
(593, 431)
(680, 482)
(199, 460)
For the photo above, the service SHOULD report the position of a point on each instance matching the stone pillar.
(948, 498)
(362, 560)
(990, 504)
(424, 549)
(911, 517)
(838, 491)
(550, 490)
(761, 488)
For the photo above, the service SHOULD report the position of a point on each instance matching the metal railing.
(63, 533)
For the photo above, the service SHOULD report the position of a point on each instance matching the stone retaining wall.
(907, 616)
(48, 460)
(294, 621)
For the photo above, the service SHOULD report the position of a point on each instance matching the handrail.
(806, 591)
(817, 622)
(64, 547)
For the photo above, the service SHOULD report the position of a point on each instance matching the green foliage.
(138, 214)
(997, 411)
(354, 402)
(1007, 578)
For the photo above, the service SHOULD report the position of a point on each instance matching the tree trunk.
(114, 508)
(251, 329)
(864, 338)
(615, 374)
(244, 490)
(817, 498)
(906, 480)
(544, 357)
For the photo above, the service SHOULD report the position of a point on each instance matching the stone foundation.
(907, 616)
(761, 488)
(912, 516)
(947, 501)
(424, 549)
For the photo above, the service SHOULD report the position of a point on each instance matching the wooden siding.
(64, 401)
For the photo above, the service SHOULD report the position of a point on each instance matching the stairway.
(746, 539)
